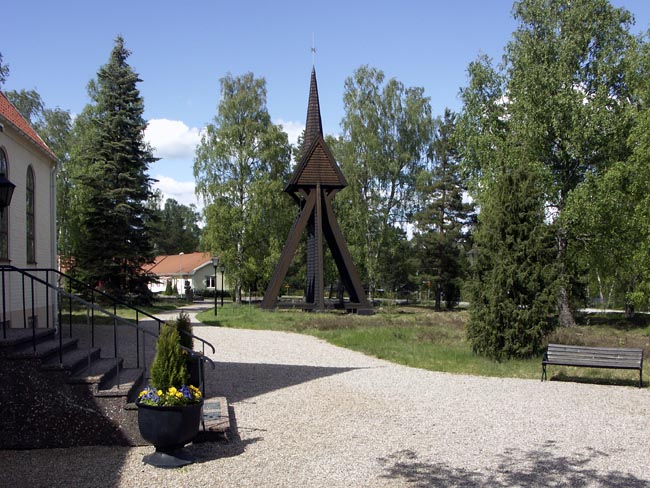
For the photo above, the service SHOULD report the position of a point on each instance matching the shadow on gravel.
(536, 468)
(223, 445)
(594, 380)
(240, 381)
(81, 467)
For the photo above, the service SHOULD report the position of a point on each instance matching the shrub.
(184, 326)
(168, 368)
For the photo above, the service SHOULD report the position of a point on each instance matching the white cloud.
(172, 139)
(293, 129)
(181, 191)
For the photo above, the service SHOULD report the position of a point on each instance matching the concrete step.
(43, 350)
(73, 360)
(131, 381)
(98, 370)
(17, 338)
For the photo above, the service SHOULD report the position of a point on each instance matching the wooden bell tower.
(314, 183)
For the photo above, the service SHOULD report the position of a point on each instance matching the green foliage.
(443, 216)
(169, 364)
(4, 71)
(111, 241)
(184, 326)
(168, 288)
(175, 228)
(560, 98)
(513, 291)
(386, 131)
(240, 167)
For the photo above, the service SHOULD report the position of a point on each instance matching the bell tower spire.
(314, 124)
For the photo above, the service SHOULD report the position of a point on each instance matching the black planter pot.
(169, 429)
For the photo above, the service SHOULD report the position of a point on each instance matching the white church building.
(28, 220)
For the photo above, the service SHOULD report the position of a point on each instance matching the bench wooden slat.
(595, 364)
(566, 357)
(560, 347)
(593, 357)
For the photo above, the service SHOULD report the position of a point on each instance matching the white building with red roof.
(28, 224)
(195, 268)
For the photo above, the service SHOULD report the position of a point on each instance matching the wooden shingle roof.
(317, 165)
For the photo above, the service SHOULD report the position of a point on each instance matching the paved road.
(308, 414)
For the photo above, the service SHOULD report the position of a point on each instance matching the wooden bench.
(593, 357)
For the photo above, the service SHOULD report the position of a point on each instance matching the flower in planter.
(169, 376)
(169, 410)
(186, 395)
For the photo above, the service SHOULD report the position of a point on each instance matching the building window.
(209, 281)
(30, 217)
(4, 220)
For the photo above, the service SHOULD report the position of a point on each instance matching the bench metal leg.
(543, 372)
(640, 379)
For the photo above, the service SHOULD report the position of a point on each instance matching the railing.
(54, 281)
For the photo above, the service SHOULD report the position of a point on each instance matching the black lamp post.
(215, 263)
(223, 270)
(6, 192)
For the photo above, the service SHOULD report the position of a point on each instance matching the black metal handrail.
(91, 307)
(117, 301)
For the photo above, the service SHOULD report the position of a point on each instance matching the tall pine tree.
(439, 224)
(112, 183)
(514, 284)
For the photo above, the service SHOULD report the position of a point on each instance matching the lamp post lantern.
(6, 192)
(215, 263)
(223, 270)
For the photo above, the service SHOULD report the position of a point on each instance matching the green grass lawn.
(421, 338)
(79, 313)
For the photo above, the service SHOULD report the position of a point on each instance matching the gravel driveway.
(309, 414)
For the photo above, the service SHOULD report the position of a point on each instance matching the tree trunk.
(237, 297)
(629, 310)
(438, 305)
(564, 309)
(565, 314)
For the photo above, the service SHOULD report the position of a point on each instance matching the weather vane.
(313, 50)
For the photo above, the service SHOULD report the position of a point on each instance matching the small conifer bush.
(184, 326)
(169, 364)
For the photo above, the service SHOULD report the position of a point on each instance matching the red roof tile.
(11, 115)
(179, 264)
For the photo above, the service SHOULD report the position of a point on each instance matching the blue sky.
(182, 49)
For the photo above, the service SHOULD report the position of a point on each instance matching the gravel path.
(308, 414)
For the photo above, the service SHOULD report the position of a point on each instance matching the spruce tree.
(440, 222)
(514, 285)
(113, 186)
